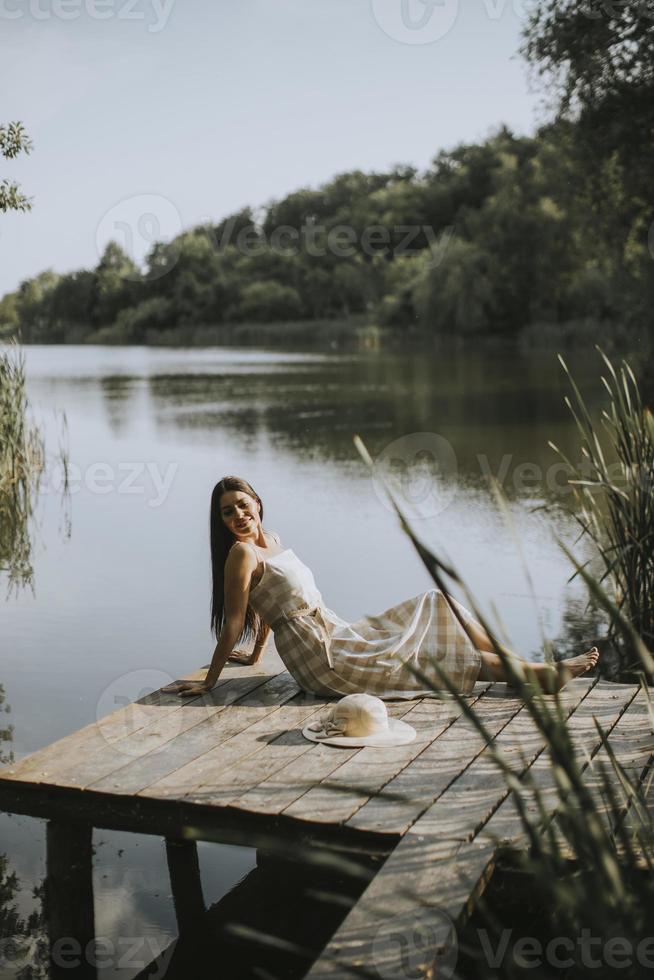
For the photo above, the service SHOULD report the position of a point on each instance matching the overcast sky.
(152, 115)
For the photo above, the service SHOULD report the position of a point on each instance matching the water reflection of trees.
(496, 410)
(118, 391)
(23, 944)
(6, 731)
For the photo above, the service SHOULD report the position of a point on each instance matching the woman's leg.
(551, 677)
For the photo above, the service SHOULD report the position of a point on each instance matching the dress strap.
(255, 547)
(256, 553)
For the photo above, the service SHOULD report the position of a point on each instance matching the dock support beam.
(69, 900)
(185, 883)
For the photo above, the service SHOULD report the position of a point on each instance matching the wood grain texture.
(234, 763)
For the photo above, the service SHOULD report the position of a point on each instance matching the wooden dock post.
(185, 882)
(69, 900)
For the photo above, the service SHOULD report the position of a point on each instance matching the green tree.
(35, 305)
(112, 286)
(9, 316)
(13, 141)
(133, 323)
(267, 300)
(598, 59)
(71, 305)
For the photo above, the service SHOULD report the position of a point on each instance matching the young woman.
(258, 585)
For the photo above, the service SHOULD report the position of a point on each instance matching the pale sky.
(187, 110)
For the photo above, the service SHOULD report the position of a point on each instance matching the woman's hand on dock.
(186, 688)
(244, 657)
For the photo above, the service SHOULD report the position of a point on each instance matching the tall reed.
(22, 458)
(613, 489)
(588, 849)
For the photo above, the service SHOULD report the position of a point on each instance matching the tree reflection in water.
(23, 942)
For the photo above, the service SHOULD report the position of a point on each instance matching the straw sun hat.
(359, 719)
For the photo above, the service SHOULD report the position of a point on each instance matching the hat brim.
(399, 733)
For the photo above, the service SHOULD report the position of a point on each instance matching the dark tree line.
(494, 237)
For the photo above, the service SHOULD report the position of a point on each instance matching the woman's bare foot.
(550, 677)
(576, 666)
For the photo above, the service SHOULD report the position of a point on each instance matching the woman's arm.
(238, 572)
(262, 637)
(247, 659)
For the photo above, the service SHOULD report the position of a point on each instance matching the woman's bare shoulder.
(240, 554)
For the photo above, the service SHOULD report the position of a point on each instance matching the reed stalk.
(22, 460)
(613, 493)
(589, 852)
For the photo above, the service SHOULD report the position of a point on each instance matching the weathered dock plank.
(234, 766)
(214, 776)
(437, 766)
(218, 728)
(444, 860)
(470, 801)
(137, 728)
(609, 704)
(287, 787)
(351, 785)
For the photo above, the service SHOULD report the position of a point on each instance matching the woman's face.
(240, 513)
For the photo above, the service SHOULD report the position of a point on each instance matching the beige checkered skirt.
(329, 656)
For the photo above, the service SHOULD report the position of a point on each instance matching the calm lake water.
(121, 584)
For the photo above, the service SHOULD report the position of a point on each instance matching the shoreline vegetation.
(505, 241)
(359, 334)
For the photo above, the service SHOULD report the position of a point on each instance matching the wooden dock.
(233, 767)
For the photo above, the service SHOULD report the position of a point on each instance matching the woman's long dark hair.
(221, 540)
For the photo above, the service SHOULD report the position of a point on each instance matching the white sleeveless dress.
(329, 657)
